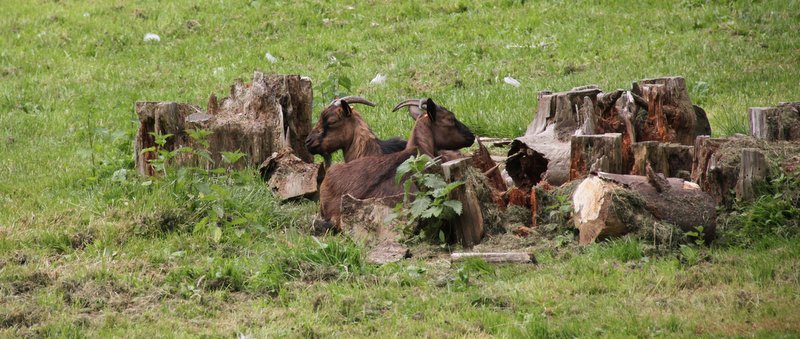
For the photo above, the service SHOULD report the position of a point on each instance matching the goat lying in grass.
(340, 127)
(370, 177)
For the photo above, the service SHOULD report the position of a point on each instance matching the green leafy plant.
(426, 199)
(205, 189)
(337, 84)
(697, 236)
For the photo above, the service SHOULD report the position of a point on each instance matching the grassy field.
(88, 248)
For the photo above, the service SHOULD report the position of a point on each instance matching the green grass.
(86, 248)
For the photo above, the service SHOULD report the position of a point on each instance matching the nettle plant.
(205, 187)
(431, 206)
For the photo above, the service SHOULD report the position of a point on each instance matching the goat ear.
(415, 112)
(345, 108)
(430, 107)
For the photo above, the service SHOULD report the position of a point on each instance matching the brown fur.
(337, 130)
(373, 176)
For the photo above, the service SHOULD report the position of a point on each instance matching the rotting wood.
(591, 153)
(289, 177)
(367, 221)
(269, 114)
(656, 109)
(671, 115)
(496, 257)
(545, 144)
(483, 161)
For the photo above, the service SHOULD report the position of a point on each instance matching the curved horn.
(354, 99)
(410, 102)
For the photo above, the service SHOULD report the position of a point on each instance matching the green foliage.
(430, 205)
(775, 212)
(206, 191)
(337, 84)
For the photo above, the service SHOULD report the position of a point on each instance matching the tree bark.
(271, 114)
(752, 173)
(468, 227)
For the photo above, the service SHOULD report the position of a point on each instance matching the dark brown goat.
(370, 177)
(340, 127)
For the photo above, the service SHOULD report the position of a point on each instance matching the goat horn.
(353, 99)
(409, 102)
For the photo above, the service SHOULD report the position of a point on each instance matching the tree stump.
(671, 115)
(592, 153)
(268, 115)
(467, 228)
(653, 110)
(482, 160)
(776, 123)
(673, 160)
(753, 172)
(545, 146)
(609, 205)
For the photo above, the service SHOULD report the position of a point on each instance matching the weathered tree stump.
(609, 205)
(482, 160)
(545, 145)
(468, 228)
(268, 115)
(654, 110)
(716, 172)
(753, 172)
(590, 153)
(671, 115)
(776, 123)
(673, 160)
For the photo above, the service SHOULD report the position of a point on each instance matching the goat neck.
(364, 143)
(422, 138)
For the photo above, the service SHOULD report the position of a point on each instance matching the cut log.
(591, 153)
(268, 115)
(467, 228)
(671, 115)
(609, 205)
(289, 177)
(498, 258)
(776, 123)
(753, 173)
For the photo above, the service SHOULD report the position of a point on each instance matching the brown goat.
(371, 177)
(341, 127)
